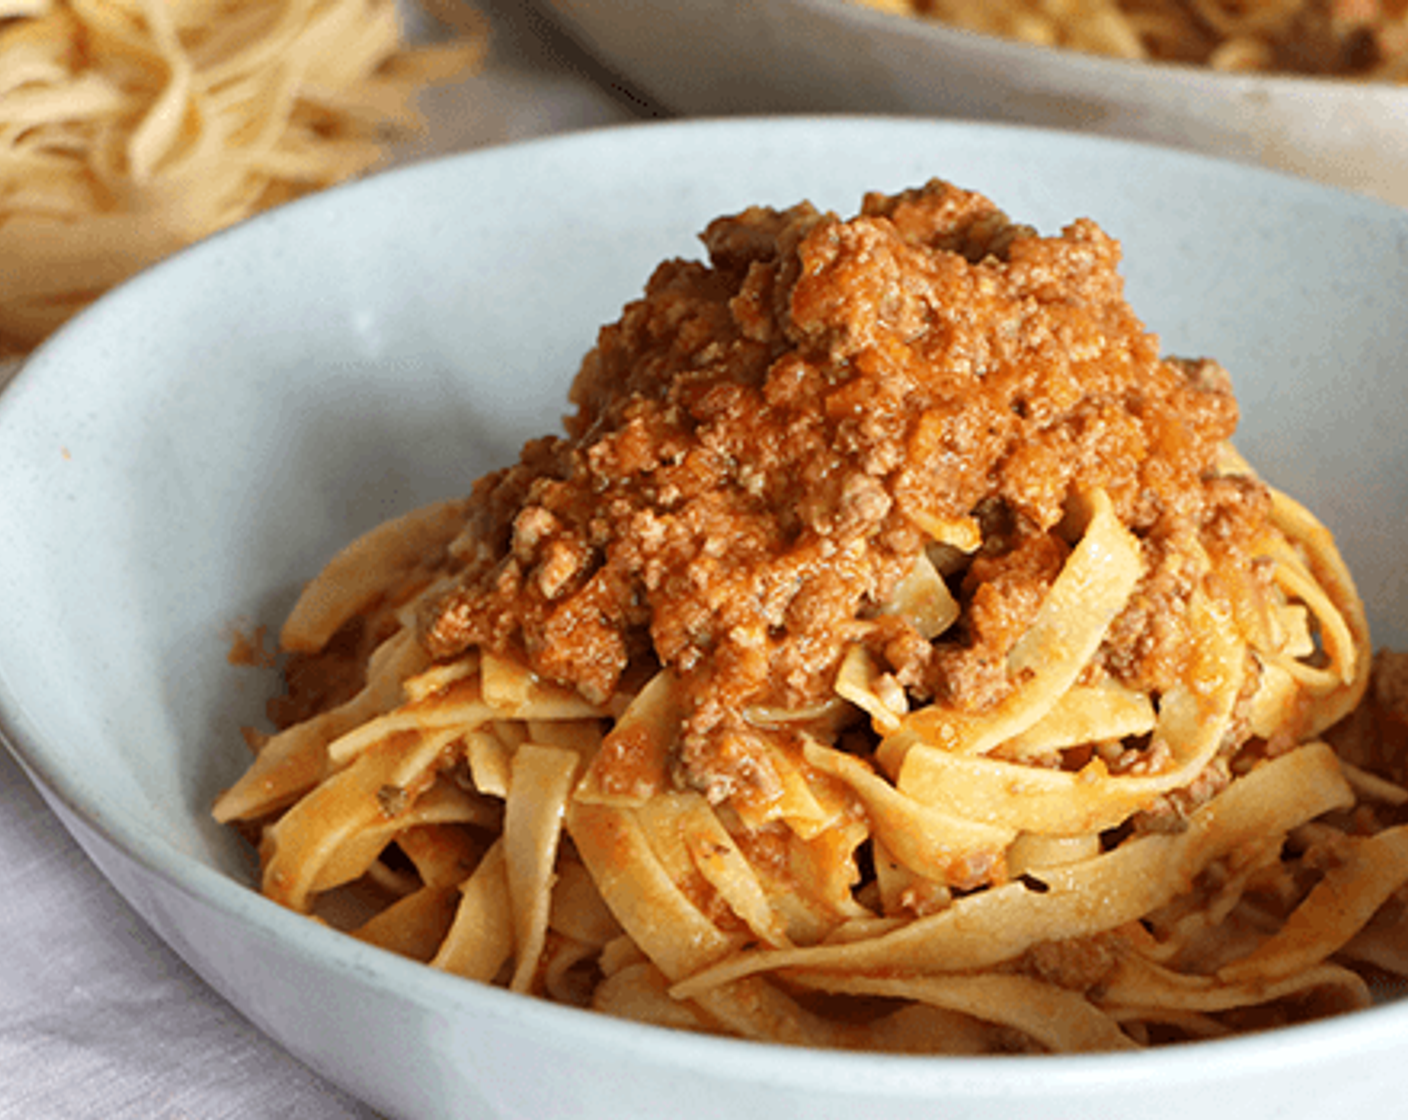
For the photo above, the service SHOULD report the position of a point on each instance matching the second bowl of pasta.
(1303, 86)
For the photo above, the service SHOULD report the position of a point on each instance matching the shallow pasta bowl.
(180, 459)
(716, 57)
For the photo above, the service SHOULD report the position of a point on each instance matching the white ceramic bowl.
(181, 457)
(722, 57)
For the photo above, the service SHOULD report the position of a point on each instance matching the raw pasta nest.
(131, 128)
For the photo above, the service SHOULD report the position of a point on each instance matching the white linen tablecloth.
(98, 1018)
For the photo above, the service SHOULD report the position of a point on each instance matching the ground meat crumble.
(763, 444)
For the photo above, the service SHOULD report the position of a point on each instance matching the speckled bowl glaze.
(178, 460)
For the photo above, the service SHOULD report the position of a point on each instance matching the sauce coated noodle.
(1360, 38)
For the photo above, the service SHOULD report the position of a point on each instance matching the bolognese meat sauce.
(763, 445)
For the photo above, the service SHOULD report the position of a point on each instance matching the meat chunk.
(762, 445)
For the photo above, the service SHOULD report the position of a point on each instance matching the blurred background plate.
(723, 57)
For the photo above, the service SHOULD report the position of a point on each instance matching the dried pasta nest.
(130, 128)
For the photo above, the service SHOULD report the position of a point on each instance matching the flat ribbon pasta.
(131, 128)
(894, 654)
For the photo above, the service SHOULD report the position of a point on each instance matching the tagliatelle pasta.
(893, 654)
(1359, 38)
(130, 128)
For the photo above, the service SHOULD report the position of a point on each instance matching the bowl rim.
(885, 1074)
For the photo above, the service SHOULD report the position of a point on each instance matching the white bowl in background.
(715, 57)
(181, 457)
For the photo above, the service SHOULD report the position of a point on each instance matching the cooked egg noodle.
(950, 890)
